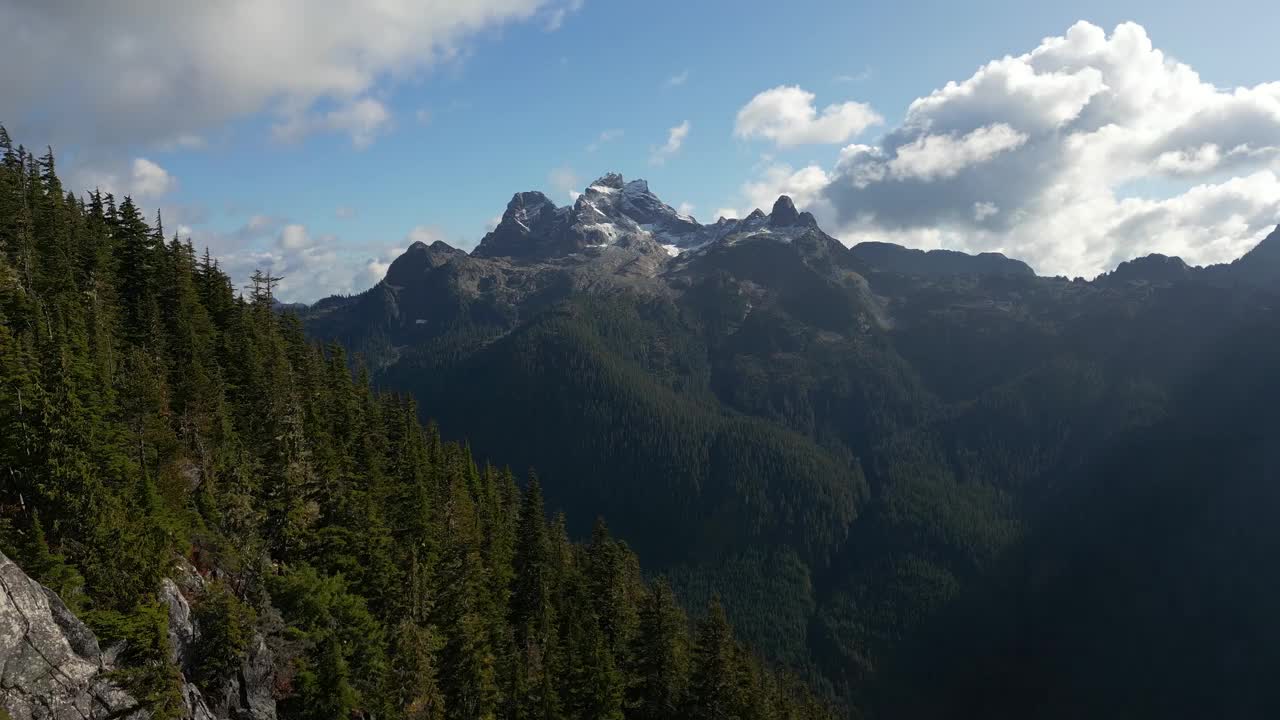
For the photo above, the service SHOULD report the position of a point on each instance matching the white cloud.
(180, 69)
(144, 180)
(685, 208)
(942, 156)
(678, 79)
(1090, 149)
(557, 16)
(804, 186)
(675, 140)
(363, 119)
(294, 237)
(728, 213)
(312, 266)
(149, 180)
(984, 210)
(604, 138)
(787, 116)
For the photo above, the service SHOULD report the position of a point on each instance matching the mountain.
(204, 515)
(852, 447)
(1153, 270)
(1258, 267)
(890, 258)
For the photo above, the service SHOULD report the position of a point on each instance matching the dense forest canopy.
(916, 484)
(156, 420)
(882, 461)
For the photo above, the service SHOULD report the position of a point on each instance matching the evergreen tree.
(715, 691)
(659, 658)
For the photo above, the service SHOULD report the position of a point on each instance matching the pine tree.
(659, 658)
(715, 693)
(532, 615)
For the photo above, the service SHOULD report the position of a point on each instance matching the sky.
(319, 138)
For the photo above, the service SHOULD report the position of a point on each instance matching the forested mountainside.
(182, 467)
(935, 483)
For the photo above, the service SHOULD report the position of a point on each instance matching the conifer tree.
(715, 692)
(659, 658)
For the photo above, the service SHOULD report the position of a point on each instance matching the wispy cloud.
(604, 138)
(559, 14)
(675, 140)
(862, 75)
(678, 79)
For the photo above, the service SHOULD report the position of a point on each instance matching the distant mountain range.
(870, 451)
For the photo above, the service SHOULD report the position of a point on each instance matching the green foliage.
(225, 626)
(150, 414)
(143, 633)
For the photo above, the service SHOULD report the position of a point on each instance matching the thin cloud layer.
(1088, 150)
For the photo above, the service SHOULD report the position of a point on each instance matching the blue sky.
(549, 95)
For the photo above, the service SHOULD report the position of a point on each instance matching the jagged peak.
(756, 214)
(436, 246)
(528, 199)
(611, 180)
(784, 212)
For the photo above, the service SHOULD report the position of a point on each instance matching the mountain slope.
(842, 443)
(224, 521)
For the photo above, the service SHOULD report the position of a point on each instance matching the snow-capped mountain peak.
(614, 212)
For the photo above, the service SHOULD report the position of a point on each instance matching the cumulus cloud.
(1090, 149)
(787, 116)
(143, 180)
(675, 140)
(804, 186)
(943, 156)
(149, 180)
(178, 69)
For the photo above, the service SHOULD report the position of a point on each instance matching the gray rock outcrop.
(51, 667)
